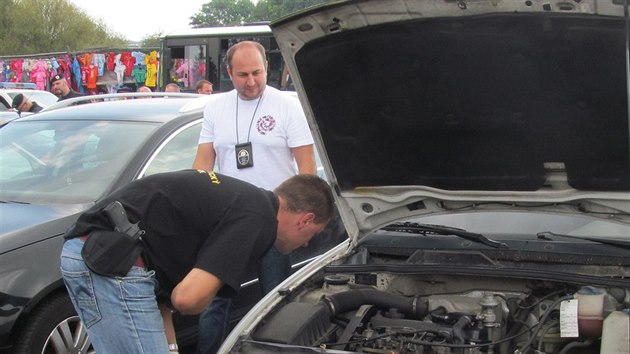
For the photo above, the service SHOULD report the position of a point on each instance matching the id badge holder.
(244, 155)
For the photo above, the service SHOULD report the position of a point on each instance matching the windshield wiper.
(606, 241)
(425, 229)
(13, 202)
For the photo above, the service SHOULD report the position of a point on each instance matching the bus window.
(187, 66)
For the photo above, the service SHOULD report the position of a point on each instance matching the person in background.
(260, 135)
(59, 87)
(201, 232)
(204, 87)
(144, 89)
(172, 87)
(22, 104)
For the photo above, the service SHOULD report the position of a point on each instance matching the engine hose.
(458, 332)
(572, 345)
(353, 299)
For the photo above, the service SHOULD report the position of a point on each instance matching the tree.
(234, 13)
(152, 40)
(270, 10)
(42, 26)
(223, 13)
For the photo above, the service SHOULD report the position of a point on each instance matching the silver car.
(479, 152)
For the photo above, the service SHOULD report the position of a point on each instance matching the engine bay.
(385, 312)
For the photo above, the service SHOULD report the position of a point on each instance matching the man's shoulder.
(71, 94)
(35, 107)
(216, 102)
(281, 96)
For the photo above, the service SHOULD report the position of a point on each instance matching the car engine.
(449, 314)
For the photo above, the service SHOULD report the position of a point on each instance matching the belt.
(139, 260)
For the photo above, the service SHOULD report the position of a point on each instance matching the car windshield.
(65, 161)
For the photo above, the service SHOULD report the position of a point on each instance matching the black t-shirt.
(35, 107)
(194, 219)
(71, 94)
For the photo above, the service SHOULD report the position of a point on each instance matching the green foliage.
(152, 40)
(43, 26)
(234, 13)
(223, 13)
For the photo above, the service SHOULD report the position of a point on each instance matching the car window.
(43, 98)
(65, 161)
(178, 153)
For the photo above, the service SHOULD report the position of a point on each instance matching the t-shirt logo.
(265, 124)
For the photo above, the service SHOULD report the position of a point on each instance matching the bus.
(190, 55)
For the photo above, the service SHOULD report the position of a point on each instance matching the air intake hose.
(345, 301)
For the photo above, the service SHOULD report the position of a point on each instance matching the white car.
(479, 153)
(7, 114)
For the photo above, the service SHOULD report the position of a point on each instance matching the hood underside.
(480, 97)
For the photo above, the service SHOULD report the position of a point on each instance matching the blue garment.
(76, 70)
(273, 269)
(121, 314)
(99, 61)
(213, 326)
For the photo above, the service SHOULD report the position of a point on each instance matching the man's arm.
(195, 292)
(204, 160)
(305, 158)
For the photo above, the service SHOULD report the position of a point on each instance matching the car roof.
(156, 109)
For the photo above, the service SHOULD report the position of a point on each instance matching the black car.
(57, 163)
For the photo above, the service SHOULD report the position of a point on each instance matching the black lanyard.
(249, 131)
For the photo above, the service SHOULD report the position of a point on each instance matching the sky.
(136, 19)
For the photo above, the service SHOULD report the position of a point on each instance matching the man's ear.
(308, 217)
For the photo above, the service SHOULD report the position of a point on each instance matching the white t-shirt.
(274, 126)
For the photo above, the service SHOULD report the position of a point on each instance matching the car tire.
(53, 327)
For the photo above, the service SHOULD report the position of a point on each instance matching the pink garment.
(16, 66)
(183, 72)
(64, 70)
(39, 78)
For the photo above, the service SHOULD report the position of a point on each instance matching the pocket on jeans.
(139, 283)
(81, 290)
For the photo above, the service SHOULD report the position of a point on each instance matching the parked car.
(43, 98)
(7, 114)
(57, 163)
(480, 157)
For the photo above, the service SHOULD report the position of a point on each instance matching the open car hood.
(433, 106)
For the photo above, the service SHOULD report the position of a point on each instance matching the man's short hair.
(308, 193)
(200, 84)
(173, 85)
(233, 48)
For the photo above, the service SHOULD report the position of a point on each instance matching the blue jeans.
(214, 321)
(274, 268)
(213, 325)
(121, 313)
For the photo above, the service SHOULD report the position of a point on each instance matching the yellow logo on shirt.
(213, 176)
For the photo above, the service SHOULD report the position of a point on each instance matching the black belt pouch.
(111, 253)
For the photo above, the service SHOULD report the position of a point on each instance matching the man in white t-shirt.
(260, 135)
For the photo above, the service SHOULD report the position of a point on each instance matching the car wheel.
(54, 328)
